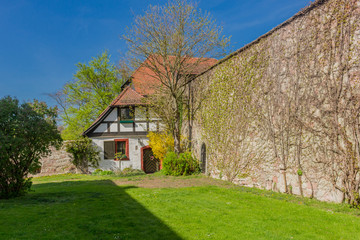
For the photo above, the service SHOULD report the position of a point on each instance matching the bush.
(182, 165)
(97, 171)
(27, 131)
(100, 172)
(163, 142)
(160, 143)
(84, 153)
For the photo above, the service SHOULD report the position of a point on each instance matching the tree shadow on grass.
(80, 210)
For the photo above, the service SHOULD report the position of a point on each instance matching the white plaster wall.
(140, 127)
(152, 126)
(135, 145)
(113, 127)
(162, 126)
(126, 127)
(140, 114)
(112, 116)
(101, 128)
(153, 116)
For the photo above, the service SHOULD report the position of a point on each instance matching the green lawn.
(94, 207)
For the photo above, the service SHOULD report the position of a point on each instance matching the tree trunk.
(177, 148)
(177, 133)
(299, 146)
(83, 167)
(177, 125)
(300, 185)
(190, 136)
(190, 116)
(285, 181)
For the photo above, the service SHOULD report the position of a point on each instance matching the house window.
(109, 149)
(122, 148)
(116, 148)
(127, 114)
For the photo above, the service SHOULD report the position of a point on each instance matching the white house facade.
(121, 130)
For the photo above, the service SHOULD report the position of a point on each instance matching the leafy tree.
(175, 40)
(94, 86)
(84, 153)
(26, 133)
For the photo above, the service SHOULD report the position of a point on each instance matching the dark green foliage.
(26, 133)
(182, 165)
(84, 153)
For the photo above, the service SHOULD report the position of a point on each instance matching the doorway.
(203, 158)
(149, 163)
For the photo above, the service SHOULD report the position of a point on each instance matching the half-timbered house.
(122, 128)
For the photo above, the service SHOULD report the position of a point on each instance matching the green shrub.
(105, 173)
(101, 172)
(84, 153)
(182, 165)
(27, 131)
(126, 172)
(97, 171)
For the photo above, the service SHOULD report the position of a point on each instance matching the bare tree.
(174, 41)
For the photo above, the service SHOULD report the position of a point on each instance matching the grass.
(94, 207)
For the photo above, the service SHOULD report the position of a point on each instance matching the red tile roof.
(145, 80)
(144, 83)
(128, 97)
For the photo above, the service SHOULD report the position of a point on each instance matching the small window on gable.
(127, 114)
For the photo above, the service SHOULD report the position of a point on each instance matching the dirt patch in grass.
(172, 182)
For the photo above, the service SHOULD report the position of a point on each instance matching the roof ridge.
(120, 95)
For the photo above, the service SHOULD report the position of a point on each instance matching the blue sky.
(41, 41)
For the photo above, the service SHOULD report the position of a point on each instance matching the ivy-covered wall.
(282, 113)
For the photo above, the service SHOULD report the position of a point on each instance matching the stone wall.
(294, 50)
(58, 162)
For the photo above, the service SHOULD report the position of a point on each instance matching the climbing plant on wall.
(290, 102)
(228, 115)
